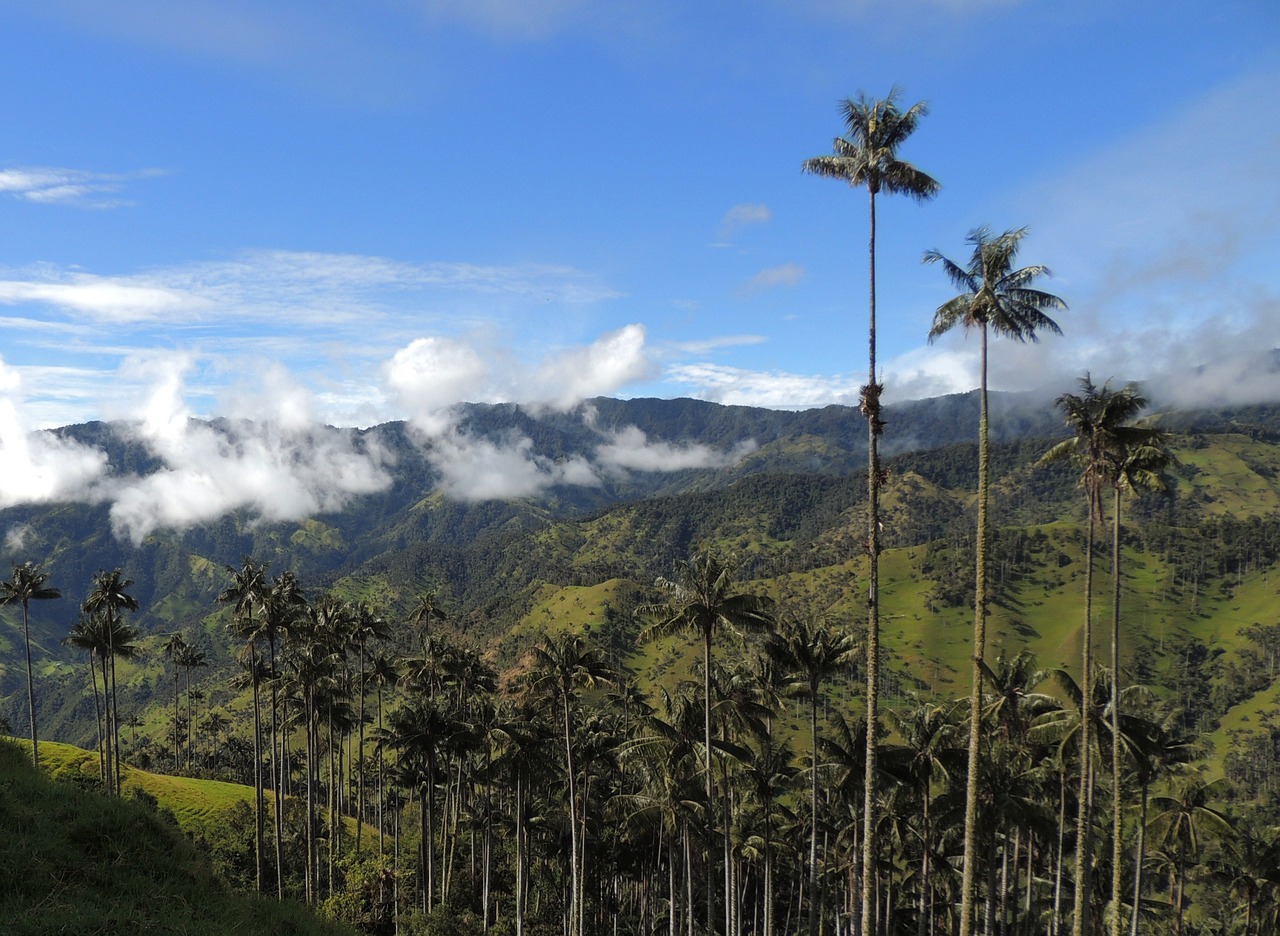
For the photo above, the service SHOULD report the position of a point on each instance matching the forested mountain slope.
(788, 505)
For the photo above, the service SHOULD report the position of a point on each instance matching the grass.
(78, 862)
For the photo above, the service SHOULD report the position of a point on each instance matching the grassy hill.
(76, 862)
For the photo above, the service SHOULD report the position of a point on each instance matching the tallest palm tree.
(994, 297)
(867, 155)
(26, 586)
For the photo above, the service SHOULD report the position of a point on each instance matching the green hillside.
(77, 862)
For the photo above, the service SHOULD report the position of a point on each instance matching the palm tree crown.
(993, 293)
(868, 152)
(26, 586)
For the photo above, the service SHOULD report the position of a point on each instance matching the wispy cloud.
(631, 448)
(50, 185)
(779, 390)
(741, 216)
(707, 345)
(787, 274)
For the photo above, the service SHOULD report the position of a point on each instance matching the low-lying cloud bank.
(275, 461)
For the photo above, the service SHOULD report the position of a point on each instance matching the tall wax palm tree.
(368, 625)
(867, 155)
(174, 649)
(385, 673)
(284, 605)
(109, 597)
(87, 635)
(193, 657)
(703, 597)
(1156, 749)
(1138, 455)
(928, 755)
(1098, 417)
(246, 594)
(1184, 818)
(811, 650)
(563, 666)
(27, 585)
(104, 639)
(994, 297)
(426, 610)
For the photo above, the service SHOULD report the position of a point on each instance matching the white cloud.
(605, 366)
(276, 467)
(54, 185)
(739, 387)
(432, 374)
(741, 216)
(105, 299)
(631, 448)
(475, 469)
(707, 345)
(787, 274)
(41, 467)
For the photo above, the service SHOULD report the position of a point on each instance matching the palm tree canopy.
(702, 596)
(27, 585)
(110, 594)
(867, 153)
(246, 594)
(1108, 450)
(992, 292)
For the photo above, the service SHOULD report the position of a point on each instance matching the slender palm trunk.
(277, 772)
(1139, 857)
(1084, 824)
(979, 653)
(115, 726)
(520, 853)
(1116, 850)
(259, 798)
(871, 406)
(381, 775)
(312, 876)
(360, 760)
(97, 714)
(575, 883)
(815, 908)
(710, 790)
(31, 690)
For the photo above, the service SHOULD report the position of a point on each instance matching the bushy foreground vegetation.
(75, 861)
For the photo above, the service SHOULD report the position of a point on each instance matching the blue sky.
(357, 211)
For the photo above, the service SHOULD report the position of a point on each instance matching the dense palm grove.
(404, 784)
(564, 799)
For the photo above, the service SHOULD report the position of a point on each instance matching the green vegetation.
(75, 861)
(407, 702)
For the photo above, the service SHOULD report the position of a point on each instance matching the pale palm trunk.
(31, 690)
(872, 405)
(1139, 858)
(815, 908)
(259, 798)
(979, 652)
(361, 761)
(1084, 827)
(575, 883)
(277, 772)
(97, 721)
(1116, 844)
(711, 813)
